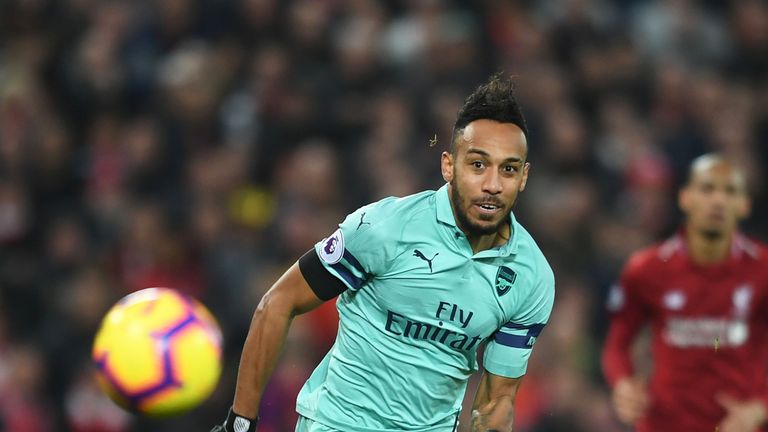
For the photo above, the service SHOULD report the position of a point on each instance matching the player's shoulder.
(527, 246)
(385, 220)
(407, 203)
(753, 249)
(399, 209)
(653, 256)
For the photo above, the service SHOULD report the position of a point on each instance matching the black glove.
(236, 423)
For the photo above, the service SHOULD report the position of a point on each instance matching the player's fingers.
(628, 416)
(631, 405)
(732, 424)
(635, 401)
(629, 411)
(631, 388)
(630, 400)
(632, 396)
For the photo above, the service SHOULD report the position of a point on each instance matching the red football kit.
(709, 329)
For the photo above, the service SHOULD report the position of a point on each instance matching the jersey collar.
(445, 215)
(740, 246)
(443, 207)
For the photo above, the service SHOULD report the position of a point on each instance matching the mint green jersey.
(419, 303)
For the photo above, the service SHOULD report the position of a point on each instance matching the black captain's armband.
(325, 285)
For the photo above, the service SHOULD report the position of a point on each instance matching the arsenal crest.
(505, 277)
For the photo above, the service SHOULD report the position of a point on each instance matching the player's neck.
(488, 241)
(707, 250)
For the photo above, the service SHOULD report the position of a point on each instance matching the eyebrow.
(512, 159)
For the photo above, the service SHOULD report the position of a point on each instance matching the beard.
(460, 204)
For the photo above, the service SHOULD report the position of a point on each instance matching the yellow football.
(158, 352)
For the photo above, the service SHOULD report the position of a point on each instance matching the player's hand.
(236, 423)
(630, 399)
(742, 416)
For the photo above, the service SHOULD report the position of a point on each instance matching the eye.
(510, 168)
(478, 164)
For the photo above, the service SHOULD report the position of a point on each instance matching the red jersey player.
(704, 293)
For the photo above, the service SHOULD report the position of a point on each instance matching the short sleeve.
(363, 246)
(508, 350)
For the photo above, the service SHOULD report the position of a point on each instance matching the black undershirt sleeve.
(325, 285)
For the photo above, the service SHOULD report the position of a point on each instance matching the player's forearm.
(616, 366)
(262, 347)
(616, 359)
(496, 415)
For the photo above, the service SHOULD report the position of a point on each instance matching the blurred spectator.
(23, 407)
(89, 410)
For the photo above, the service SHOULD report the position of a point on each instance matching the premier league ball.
(158, 352)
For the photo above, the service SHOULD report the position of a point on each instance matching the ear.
(524, 181)
(446, 166)
(745, 207)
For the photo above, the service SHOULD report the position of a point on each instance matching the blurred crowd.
(206, 144)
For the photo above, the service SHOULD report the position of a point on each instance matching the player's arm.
(628, 315)
(507, 352)
(357, 250)
(494, 405)
(291, 295)
(616, 357)
(288, 297)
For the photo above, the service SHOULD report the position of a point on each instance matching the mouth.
(488, 208)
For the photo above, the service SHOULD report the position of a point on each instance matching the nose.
(719, 197)
(492, 182)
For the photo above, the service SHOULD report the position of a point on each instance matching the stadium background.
(204, 145)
